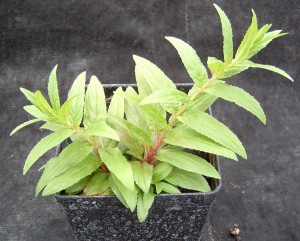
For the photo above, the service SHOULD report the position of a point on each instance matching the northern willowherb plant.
(131, 149)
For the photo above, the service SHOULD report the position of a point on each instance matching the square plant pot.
(172, 216)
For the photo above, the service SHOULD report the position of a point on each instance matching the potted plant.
(150, 147)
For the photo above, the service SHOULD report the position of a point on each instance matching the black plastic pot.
(172, 217)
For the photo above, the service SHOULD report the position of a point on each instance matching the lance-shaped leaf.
(116, 106)
(190, 60)
(270, 68)
(34, 111)
(77, 89)
(132, 136)
(19, 127)
(94, 104)
(102, 130)
(143, 86)
(29, 95)
(161, 171)
(247, 43)
(43, 104)
(188, 138)
(153, 75)
(73, 154)
(227, 35)
(187, 162)
(98, 184)
(166, 187)
(126, 196)
(72, 176)
(188, 180)
(53, 90)
(165, 96)
(78, 186)
(144, 203)
(202, 102)
(239, 97)
(142, 174)
(46, 144)
(118, 165)
(207, 125)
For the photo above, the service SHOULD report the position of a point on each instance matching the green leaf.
(188, 180)
(44, 145)
(127, 197)
(79, 186)
(143, 87)
(201, 103)
(52, 126)
(188, 138)
(215, 66)
(190, 60)
(187, 162)
(116, 106)
(72, 176)
(239, 97)
(43, 104)
(23, 125)
(34, 111)
(247, 43)
(207, 125)
(74, 154)
(142, 174)
(118, 165)
(102, 130)
(161, 171)
(77, 89)
(98, 184)
(167, 188)
(270, 68)
(94, 105)
(132, 136)
(53, 90)
(144, 203)
(29, 95)
(227, 35)
(165, 96)
(153, 75)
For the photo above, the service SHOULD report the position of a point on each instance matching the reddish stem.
(150, 154)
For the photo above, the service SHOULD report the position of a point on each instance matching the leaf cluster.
(136, 146)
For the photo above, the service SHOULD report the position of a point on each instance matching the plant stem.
(149, 157)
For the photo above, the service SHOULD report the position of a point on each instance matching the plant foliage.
(129, 147)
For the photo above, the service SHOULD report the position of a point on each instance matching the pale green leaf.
(132, 136)
(46, 144)
(270, 68)
(239, 97)
(116, 106)
(29, 95)
(43, 104)
(142, 174)
(23, 125)
(190, 60)
(143, 87)
(215, 66)
(188, 180)
(77, 89)
(248, 40)
(188, 138)
(187, 162)
(142, 213)
(72, 175)
(79, 186)
(74, 154)
(34, 111)
(53, 90)
(201, 103)
(153, 75)
(98, 184)
(207, 125)
(52, 126)
(166, 187)
(118, 165)
(165, 96)
(94, 104)
(127, 196)
(227, 36)
(161, 171)
(148, 198)
(102, 130)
